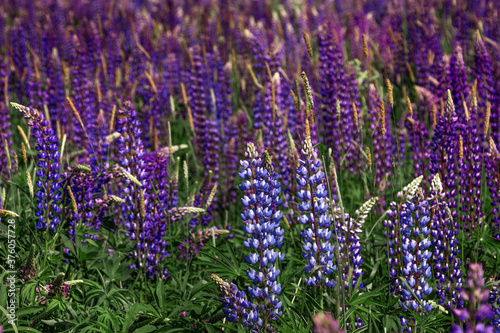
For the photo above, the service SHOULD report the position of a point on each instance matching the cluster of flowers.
(420, 243)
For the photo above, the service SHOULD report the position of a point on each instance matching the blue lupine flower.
(445, 259)
(409, 250)
(261, 217)
(415, 255)
(235, 305)
(312, 197)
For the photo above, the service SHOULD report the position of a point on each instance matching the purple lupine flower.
(131, 151)
(85, 188)
(470, 170)
(80, 93)
(339, 92)
(444, 150)
(492, 167)
(346, 236)
(58, 286)
(478, 313)
(329, 89)
(19, 57)
(273, 131)
(413, 255)
(443, 77)
(206, 130)
(317, 248)
(54, 88)
(383, 145)
(418, 138)
(48, 182)
(28, 271)
(236, 307)
(459, 86)
(483, 73)
(143, 214)
(195, 242)
(355, 145)
(5, 137)
(261, 217)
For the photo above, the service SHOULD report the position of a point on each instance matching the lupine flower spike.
(317, 249)
(261, 218)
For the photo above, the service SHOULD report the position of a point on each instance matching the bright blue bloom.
(262, 217)
(317, 247)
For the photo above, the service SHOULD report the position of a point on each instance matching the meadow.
(249, 166)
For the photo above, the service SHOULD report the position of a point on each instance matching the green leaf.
(131, 316)
(160, 295)
(28, 310)
(146, 329)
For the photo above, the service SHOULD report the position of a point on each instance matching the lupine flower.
(191, 246)
(347, 231)
(483, 73)
(143, 215)
(84, 188)
(492, 167)
(5, 133)
(478, 313)
(383, 144)
(48, 183)
(273, 132)
(261, 217)
(445, 254)
(58, 286)
(235, 305)
(470, 169)
(325, 323)
(340, 128)
(444, 150)
(409, 252)
(418, 140)
(459, 85)
(312, 194)
(5, 137)
(494, 301)
(28, 271)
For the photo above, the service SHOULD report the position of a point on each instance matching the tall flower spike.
(261, 218)
(492, 167)
(444, 149)
(317, 249)
(445, 253)
(48, 184)
(478, 313)
(144, 187)
(409, 253)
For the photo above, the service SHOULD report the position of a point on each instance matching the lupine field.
(249, 166)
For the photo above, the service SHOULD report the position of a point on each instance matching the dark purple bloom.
(48, 182)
